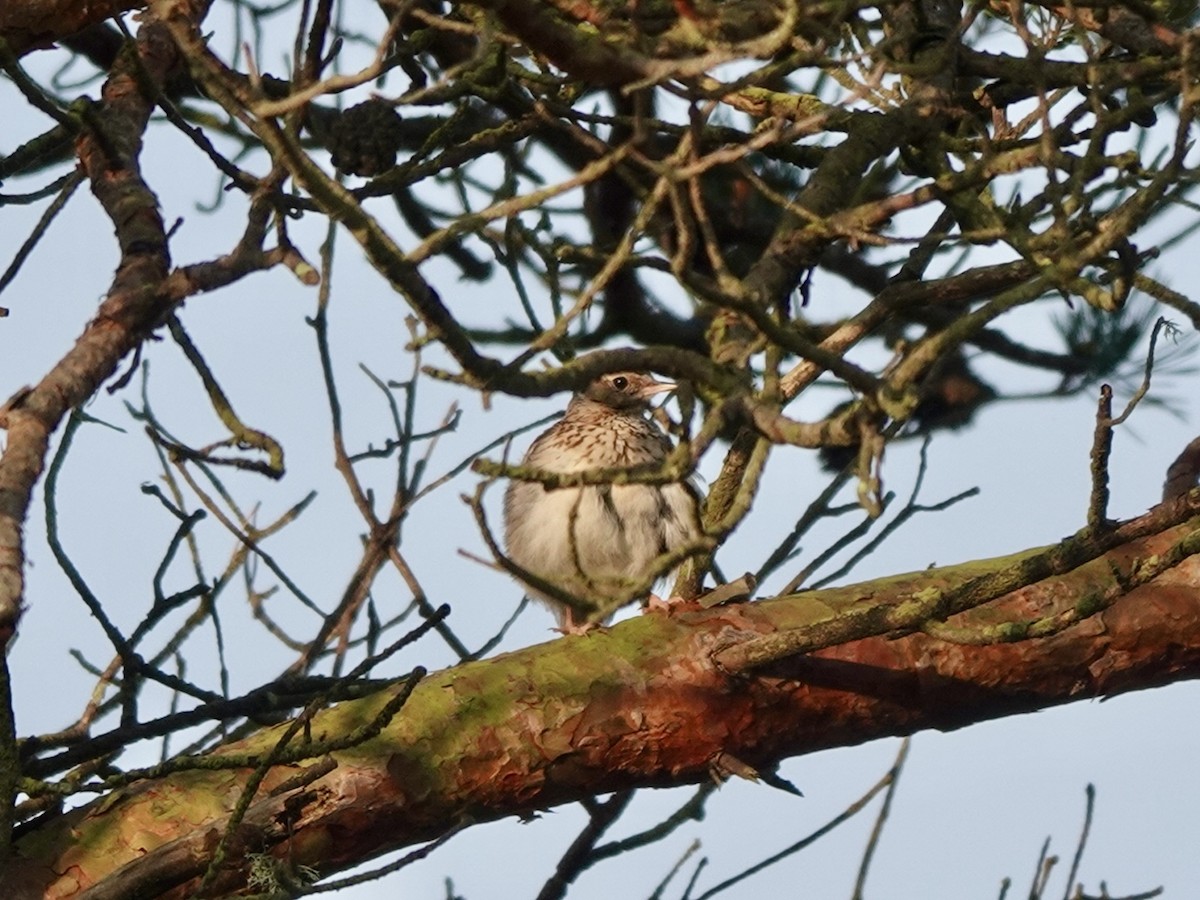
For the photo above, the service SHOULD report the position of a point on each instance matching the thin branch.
(880, 820)
(1102, 436)
(844, 816)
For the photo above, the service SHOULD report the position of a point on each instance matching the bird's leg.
(569, 625)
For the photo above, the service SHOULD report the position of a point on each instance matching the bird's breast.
(578, 447)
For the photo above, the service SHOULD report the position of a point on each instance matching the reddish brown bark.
(142, 293)
(108, 151)
(36, 24)
(641, 704)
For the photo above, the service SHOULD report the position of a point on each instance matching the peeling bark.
(641, 704)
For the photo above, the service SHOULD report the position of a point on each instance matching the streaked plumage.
(597, 541)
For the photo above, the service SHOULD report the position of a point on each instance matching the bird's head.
(626, 390)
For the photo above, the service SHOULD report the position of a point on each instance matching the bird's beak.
(656, 387)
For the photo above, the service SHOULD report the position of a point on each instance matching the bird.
(595, 542)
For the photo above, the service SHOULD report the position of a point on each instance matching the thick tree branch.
(109, 154)
(35, 24)
(642, 704)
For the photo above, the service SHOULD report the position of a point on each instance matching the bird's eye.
(620, 382)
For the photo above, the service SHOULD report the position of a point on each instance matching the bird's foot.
(670, 606)
(578, 629)
(569, 625)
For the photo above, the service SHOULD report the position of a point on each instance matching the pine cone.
(365, 138)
